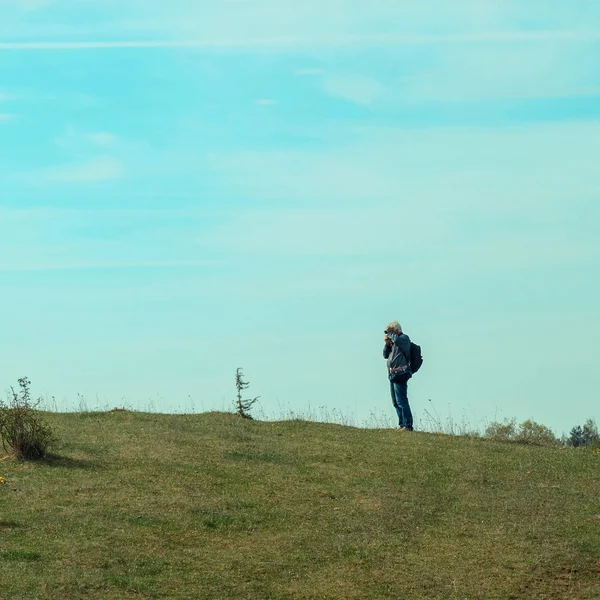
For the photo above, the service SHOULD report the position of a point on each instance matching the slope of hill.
(211, 506)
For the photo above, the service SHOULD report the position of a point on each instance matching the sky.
(193, 186)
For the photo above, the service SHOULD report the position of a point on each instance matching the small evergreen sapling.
(584, 436)
(576, 437)
(243, 405)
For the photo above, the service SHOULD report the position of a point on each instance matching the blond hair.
(395, 326)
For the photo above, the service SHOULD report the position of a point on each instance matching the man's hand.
(387, 340)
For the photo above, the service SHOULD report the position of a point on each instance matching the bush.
(531, 432)
(501, 432)
(22, 428)
(528, 432)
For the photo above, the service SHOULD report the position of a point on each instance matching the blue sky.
(192, 186)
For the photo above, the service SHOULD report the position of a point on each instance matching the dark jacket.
(397, 353)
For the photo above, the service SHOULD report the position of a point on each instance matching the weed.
(21, 426)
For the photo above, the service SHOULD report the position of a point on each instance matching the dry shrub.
(22, 429)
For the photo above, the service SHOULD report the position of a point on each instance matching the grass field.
(139, 505)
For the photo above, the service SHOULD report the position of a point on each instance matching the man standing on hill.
(397, 353)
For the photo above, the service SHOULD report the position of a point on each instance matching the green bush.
(528, 432)
(504, 431)
(22, 428)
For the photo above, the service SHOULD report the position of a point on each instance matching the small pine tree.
(243, 406)
(584, 436)
(576, 437)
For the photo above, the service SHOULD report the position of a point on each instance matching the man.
(397, 353)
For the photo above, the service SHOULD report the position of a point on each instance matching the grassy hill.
(211, 506)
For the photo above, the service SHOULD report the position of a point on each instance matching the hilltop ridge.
(137, 505)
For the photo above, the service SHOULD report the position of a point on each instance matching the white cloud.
(464, 72)
(288, 23)
(310, 71)
(31, 5)
(67, 264)
(309, 42)
(6, 117)
(361, 90)
(381, 161)
(87, 166)
(433, 185)
(474, 50)
(493, 71)
(95, 170)
(24, 5)
(75, 140)
(315, 19)
(103, 139)
(59, 239)
(304, 232)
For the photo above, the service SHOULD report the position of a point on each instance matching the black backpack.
(416, 359)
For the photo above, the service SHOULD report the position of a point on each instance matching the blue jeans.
(400, 401)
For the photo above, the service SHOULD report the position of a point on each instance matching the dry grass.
(214, 506)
